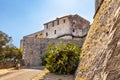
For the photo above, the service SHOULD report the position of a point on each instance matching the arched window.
(41, 35)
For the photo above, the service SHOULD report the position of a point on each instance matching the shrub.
(62, 58)
(43, 60)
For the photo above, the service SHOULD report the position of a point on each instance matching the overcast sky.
(22, 17)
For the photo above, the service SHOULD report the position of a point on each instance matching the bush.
(62, 58)
(43, 60)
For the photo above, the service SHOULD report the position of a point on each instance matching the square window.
(55, 32)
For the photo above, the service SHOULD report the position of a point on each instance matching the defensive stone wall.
(34, 48)
(100, 58)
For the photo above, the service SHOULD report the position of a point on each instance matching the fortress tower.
(67, 27)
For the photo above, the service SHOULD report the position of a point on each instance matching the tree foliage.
(12, 52)
(7, 50)
(62, 58)
(4, 40)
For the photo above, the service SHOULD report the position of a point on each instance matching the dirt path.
(22, 74)
(36, 73)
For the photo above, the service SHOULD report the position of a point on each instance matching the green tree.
(12, 52)
(7, 50)
(4, 40)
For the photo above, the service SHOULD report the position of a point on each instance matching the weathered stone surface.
(34, 48)
(100, 59)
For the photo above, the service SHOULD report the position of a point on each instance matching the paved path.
(22, 74)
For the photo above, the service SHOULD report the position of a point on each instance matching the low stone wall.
(34, 48)
(7, 64)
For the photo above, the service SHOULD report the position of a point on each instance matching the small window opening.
(64, 21)
(57, 21)
(73, 30)
(55, 32)
(46, 34)
(40, 52)
(53, 23)
(46, 26)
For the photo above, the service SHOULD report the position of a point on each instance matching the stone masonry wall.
(33, 48)
(100, 59)
(56, 30)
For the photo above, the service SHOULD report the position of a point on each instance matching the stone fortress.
(70, 28)
(66, 27)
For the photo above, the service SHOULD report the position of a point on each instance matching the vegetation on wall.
(62, 58)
